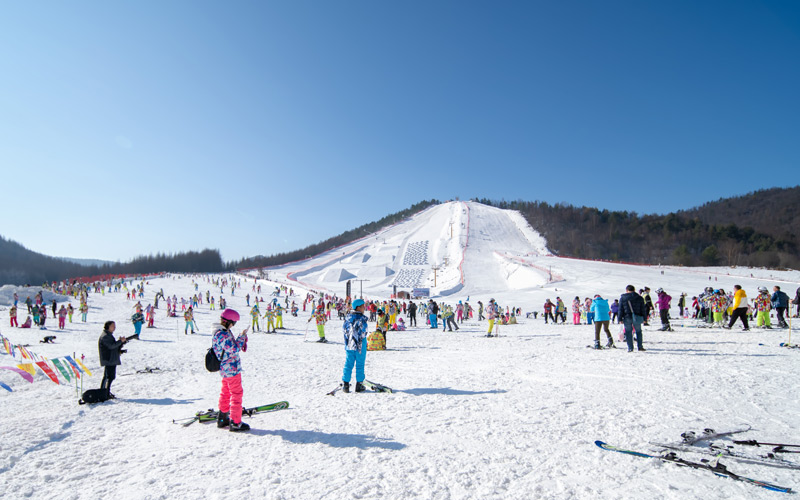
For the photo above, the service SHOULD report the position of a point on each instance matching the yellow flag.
(83, 366)
(28, 367)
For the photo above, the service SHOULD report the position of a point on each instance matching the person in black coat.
(412, 314)
(631, 314)
(110, 350)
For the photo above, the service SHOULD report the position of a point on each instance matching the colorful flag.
(28, 367)
(74, 366)
(27, 376)
(47, 371)
(84, 367)
(61, 368)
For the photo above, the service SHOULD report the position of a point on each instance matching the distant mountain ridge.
(87, 262)
(759, 229)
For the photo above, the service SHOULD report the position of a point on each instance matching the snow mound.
(23, 292)
(337, 274)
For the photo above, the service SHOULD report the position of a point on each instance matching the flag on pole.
(61, 368)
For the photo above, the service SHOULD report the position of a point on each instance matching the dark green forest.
(758, 229)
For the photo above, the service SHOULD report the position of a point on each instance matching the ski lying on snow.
(690, 437)
(726, 452)
(376, 387)
(714, 467)
(211, 414)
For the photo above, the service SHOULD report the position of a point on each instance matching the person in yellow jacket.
(255, 314)
(739, 308)
(270, 315)
(278, 316)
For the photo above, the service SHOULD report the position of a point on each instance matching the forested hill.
(20, 266)
(773, 211)
(759, 229)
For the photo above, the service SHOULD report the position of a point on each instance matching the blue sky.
(255, 127)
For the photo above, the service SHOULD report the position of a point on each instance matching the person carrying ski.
(355, 345)
(321, 318)
(227, 348)
(109, 350)
(739, 308)
(631, 313)
(602, 318)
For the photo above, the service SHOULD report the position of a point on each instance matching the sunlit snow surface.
(472, 417)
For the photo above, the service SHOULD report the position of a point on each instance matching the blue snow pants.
(357, 358)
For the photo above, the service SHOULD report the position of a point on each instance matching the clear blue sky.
(254, 127)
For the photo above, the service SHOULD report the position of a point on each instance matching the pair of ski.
(713, 466)
(211, 414)
(369, 385)
(690, 439)
(726, 451)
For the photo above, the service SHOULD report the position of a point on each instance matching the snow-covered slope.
(468, 244)
(513, 417)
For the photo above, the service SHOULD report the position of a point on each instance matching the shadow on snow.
(334, 440)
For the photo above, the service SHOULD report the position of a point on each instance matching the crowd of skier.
(633, 310)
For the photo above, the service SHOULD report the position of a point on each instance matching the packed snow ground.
(472, 417)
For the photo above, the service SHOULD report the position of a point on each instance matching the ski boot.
(223, 420)
(322, 340)
(240, 427)
(360, 387)
(610, 344)
(597, 345)
(346, 387)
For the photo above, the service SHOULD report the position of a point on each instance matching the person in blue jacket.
(602, 317)
(355, 345)
(780, 301)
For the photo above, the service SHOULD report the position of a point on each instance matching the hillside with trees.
(20, 266)
(759, 229)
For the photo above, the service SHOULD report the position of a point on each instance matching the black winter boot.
(240, 427)
(346, 387)
(360, 387)
(223, 419)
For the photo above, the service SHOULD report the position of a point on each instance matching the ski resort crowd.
(633, 309)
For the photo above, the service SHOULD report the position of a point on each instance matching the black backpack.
(94, 396)
(212, 361)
